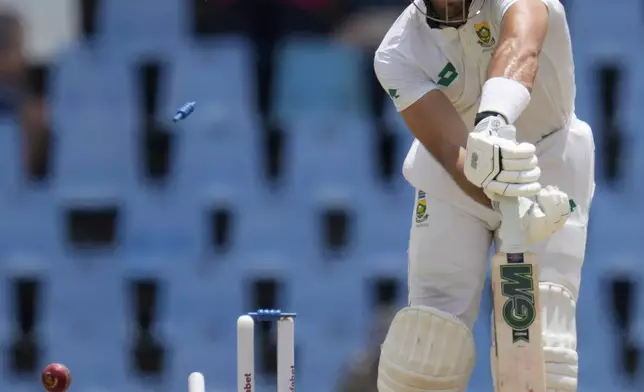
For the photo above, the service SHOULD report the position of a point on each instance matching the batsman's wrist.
(504, 96)
(480, 116)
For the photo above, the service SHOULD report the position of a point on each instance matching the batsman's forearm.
(512, 61)
(523, 31)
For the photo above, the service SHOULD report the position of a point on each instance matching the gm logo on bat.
(517, 285)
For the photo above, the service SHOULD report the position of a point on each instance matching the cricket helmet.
(450, 12)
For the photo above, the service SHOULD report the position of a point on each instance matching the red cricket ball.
(56, 378)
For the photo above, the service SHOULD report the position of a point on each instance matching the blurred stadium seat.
(160, 223)
(220, 142)
(319, 77)
(216, 73)
(142, 27)
(11, 153)
(224, 152)
(31, 224)
(329, 153)
(94, 122)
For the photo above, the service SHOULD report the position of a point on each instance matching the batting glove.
(544, 214)
(500, 166)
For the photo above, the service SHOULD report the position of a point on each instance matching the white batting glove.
(501, 166)
(544, 214)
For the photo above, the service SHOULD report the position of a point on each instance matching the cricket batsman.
(459, 72)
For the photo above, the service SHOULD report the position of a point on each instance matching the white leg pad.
(559, 332)
(426, 350)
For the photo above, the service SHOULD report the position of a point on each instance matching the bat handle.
(511, 232)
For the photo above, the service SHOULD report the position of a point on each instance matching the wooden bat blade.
(515, 285)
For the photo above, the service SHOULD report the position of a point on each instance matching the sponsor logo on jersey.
(421, 207)
(485, 35)
(447, 75)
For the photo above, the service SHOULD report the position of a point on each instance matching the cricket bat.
(520, 363)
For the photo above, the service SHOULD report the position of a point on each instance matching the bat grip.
(511, 232)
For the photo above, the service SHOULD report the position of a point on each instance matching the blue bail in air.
(184, 111)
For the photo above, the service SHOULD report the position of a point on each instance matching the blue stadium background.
(130, 253)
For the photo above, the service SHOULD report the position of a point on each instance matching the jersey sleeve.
(403, 82)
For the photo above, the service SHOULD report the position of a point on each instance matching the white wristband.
(504, 96)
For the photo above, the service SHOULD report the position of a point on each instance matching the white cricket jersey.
(414, 59)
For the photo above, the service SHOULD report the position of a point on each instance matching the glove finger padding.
(513, 150)
(519, 177)
(495, 189)
(519, 164)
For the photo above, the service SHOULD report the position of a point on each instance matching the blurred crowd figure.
(21, 95)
